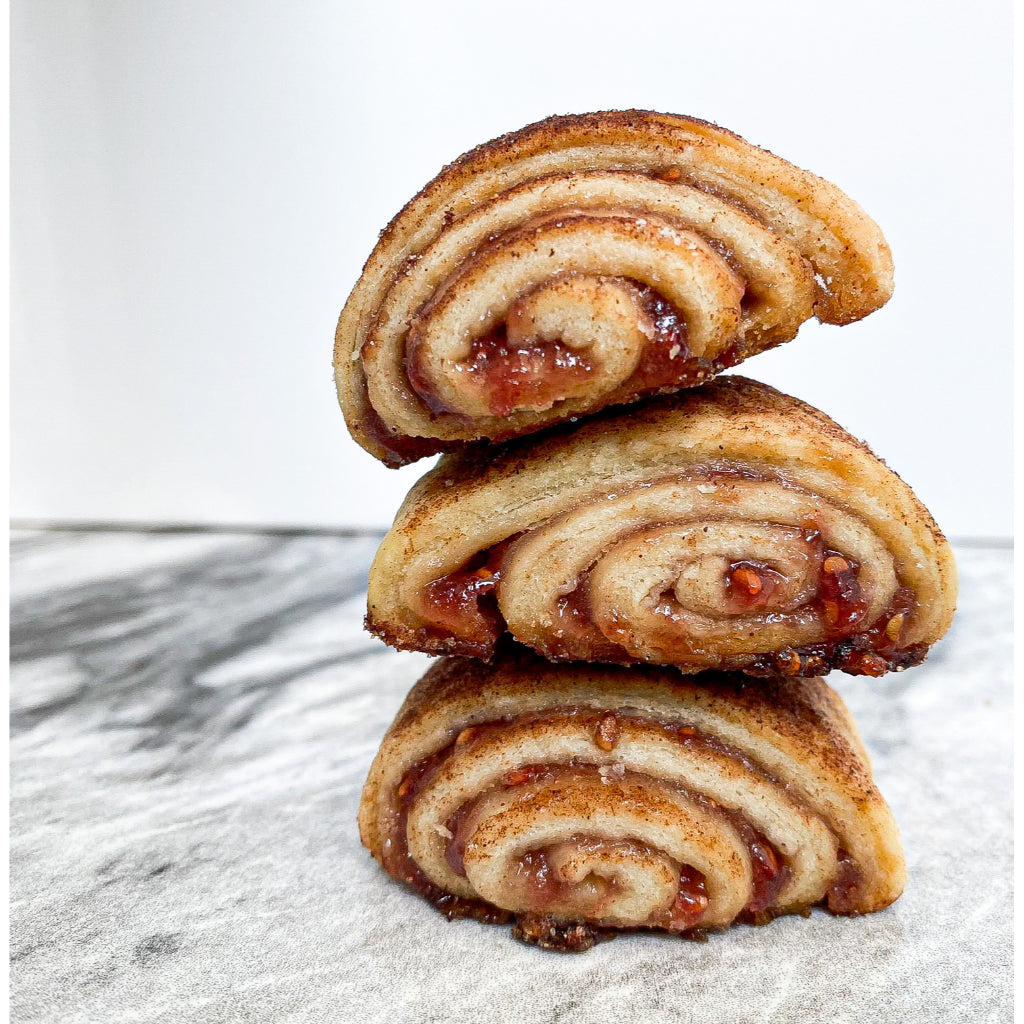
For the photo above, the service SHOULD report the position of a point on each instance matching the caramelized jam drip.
(871, 652)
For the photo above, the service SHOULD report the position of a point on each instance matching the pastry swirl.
(728, 526)
(582, 798)
(582, 262)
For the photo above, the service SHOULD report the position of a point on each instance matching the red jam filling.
(574, 609)
(576, 622)
(456, 597)
(884, 636)
(396, 856)
(665, 360)
(542, 883)
(463, 601)
(770, 873)
(751, 585)
(524, 376)
(840, 596)
(691, 900)
(842, 896)
(455, 850)
(534, 375)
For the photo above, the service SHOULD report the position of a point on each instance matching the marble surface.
(193, 716)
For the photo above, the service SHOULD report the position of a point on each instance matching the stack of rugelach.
(637, 573)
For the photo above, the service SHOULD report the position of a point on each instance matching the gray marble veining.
(192, 719)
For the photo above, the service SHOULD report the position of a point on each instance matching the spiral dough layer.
(585, 261)
(581, 799)
(728, 527)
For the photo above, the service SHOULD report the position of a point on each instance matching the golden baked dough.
(728, 526)
(585, 261)
(583, 798)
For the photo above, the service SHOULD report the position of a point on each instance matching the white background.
(195, 186)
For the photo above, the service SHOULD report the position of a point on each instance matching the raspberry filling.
(666, 359)
(542, 887)
(690, 903)
(842, 897)
(464, 604)
(755, 586)
(768, 868)
(517, 376)
(751, 585)
(840, 596)
(526, 375)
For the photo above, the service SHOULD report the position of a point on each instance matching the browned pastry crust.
(729, 526)
(585, 261)
(583, 799)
